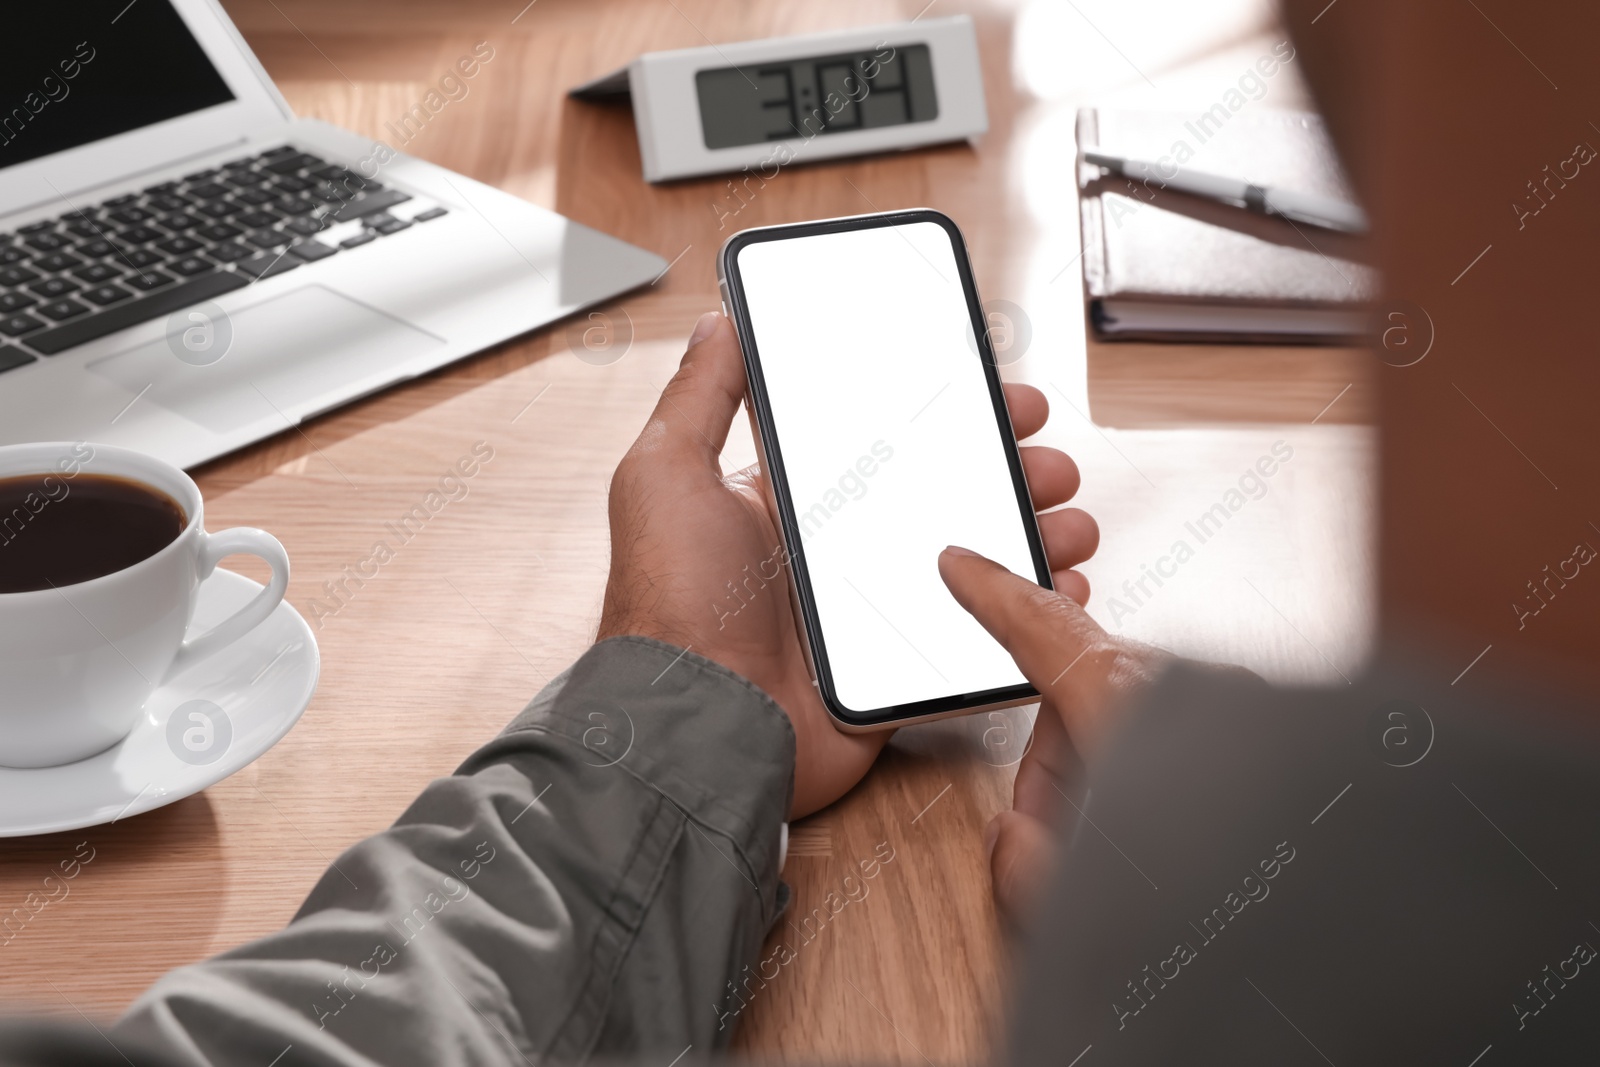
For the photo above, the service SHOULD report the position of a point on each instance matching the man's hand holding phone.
(681, 530)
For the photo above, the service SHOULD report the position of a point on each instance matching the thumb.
(1062, 652)
(697, 406)
(1022, 850)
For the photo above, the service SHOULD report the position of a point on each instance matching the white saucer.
(262, 683)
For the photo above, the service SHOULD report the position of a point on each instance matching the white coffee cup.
(78, 662)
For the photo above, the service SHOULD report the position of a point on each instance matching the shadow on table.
(67, 897)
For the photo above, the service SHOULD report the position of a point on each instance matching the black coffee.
(57, 530)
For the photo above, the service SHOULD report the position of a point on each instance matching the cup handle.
(213, 549)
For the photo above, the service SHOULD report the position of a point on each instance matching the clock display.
(802, 98)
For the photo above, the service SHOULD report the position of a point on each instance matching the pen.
(1323, 211)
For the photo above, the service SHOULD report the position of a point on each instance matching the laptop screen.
(75, 73)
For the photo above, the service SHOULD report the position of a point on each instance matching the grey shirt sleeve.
(586, 885)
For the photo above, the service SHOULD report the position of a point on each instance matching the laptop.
(186, 267)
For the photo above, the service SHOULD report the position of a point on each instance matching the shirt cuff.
(710, 741)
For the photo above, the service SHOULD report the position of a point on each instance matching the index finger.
(1064, 654)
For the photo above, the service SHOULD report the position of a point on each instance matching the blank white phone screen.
(891, 449)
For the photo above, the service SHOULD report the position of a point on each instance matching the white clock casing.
(666, 107)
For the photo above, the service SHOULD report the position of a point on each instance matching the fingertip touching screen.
(890, 448)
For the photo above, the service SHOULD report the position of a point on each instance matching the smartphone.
(882, 427)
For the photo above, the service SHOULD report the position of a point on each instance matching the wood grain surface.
(502, 589)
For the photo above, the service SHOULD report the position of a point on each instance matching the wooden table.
(502, 589)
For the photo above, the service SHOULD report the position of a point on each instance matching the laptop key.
(290, 184)
(129, 215)
(139, 235)
(370, 204)
(37, 227)
(341, 177)
(167, 202)
(257, 220)
(253, 197)
(277, 153)
(57, 261)
(122, 201)
(267, 265)
(290, 164)
(229, 252)
(201, 175)
(10, 303)
(133, 312)
(358, 240)
(12, 358)
(178, 222)
(107, 294)
(178, 246)
(430, 214)
(142, 257)
(9, 256)
(311, 251)
(305, 227)
(147, 280)
(218, 231)
(17, 325)
(51, 288)
(191, 265)
(216, 209)
(100, 249)
(16, 276)
(267, 239)
(391, 226)
(95, 273)
(209, 191)
(63, 309)
(329, 193)
(46, 242)
(85, 229)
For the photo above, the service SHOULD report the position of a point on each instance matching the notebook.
(1161, 265)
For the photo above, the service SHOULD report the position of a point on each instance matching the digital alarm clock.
(767, 103)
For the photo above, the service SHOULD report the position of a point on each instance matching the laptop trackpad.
(296, 349)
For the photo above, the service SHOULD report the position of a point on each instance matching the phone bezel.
(772, 459)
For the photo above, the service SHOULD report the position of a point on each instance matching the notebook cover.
(1145, 243)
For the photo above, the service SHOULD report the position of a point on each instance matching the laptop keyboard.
(136, 257)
